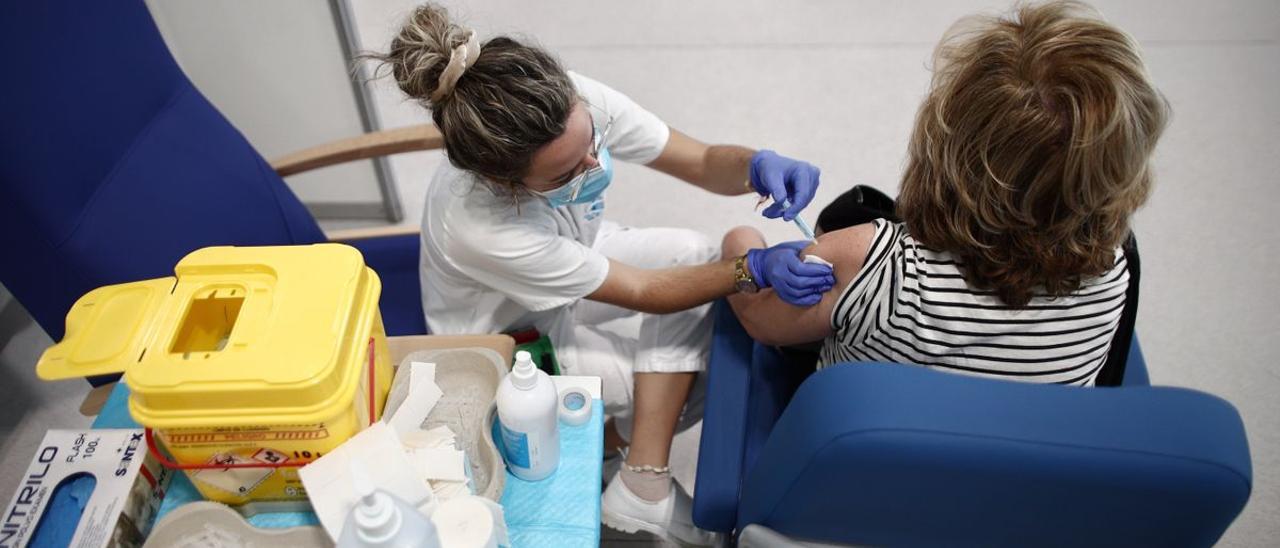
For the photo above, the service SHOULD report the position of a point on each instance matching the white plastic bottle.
(527, 415)
(382, 520)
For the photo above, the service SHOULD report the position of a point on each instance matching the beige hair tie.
(460, 60)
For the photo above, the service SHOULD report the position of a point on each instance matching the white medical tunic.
(493, 262)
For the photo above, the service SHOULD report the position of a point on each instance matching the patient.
(1029, 155)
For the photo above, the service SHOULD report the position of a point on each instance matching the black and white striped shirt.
(910, 304)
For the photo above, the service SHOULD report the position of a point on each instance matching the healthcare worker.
(513, 236)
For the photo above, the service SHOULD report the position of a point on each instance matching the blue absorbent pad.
(562, 510)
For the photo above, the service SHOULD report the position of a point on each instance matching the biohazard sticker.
(240, 481)
(269, 456)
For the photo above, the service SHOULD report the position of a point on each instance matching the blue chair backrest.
(115, 166)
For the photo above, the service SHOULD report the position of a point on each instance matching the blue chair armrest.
(901, 455)
(748, 387)
(724, 424)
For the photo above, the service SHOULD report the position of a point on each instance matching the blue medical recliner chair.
(115, 166)
(894, 455)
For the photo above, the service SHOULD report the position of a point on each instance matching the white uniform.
(490, 264)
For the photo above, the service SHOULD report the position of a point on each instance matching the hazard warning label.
(239, 481)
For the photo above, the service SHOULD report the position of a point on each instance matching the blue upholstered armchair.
(115, 166)
(880, 454)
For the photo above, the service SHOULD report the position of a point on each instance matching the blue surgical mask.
(588, 186)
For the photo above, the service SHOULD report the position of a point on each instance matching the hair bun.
(420, 54)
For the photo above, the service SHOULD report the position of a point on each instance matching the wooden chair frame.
(362, 147)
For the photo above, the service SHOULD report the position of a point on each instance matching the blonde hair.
(495, 108)
(1031, 150)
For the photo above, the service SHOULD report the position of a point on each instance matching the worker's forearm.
(679, 288)
(726, 169)
(665, 290)
(722, 169)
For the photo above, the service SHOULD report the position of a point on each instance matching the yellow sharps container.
(249, 363)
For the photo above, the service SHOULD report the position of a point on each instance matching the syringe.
(803, 226)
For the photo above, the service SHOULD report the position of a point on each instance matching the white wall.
(277, 70)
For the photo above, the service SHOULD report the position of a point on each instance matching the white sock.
(648, 485)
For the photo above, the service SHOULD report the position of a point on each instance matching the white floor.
(837, 83)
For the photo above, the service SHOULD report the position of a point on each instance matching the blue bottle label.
(515, 447)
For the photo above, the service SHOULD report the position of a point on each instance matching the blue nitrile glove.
(795, 282)
(784, 179)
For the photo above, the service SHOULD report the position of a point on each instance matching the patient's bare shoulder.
(845, 249)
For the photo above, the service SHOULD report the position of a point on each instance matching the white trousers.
(614, 342)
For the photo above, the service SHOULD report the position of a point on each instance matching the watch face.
(742, 277)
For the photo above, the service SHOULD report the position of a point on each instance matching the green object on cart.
(544, 355)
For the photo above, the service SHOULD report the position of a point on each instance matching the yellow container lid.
(241, 336)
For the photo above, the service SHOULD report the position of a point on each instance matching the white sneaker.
(670, 518)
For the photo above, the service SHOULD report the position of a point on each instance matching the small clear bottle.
(527, 416)
(382, 520)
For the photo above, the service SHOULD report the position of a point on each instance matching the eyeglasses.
(598, 137)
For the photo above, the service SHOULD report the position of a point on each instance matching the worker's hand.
(791, 183)
(796, 282)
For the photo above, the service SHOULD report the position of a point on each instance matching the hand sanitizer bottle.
(527, 417)
(380, 520)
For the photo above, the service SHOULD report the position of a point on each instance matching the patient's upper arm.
(771, 321)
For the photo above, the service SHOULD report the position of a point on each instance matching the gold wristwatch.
(742, 278)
